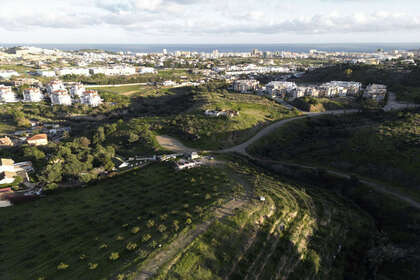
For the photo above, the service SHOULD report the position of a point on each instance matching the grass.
(295, 233)
(197, 130)
(84, 228)
(382, 146)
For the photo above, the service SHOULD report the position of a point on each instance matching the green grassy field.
(198, 130)
(382, 146)
(98, 231)
(296, 233)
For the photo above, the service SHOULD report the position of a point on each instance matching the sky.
(209, 21)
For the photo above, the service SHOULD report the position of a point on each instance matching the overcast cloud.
(216, 21)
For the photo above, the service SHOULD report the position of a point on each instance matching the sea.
(223, 48)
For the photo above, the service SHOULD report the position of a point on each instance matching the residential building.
(6, 142)
(55, 86)
(91, 98)
(7, 171)
(7, 74)
(280, 89)
(147, 70)
(73, 71)
(38, 140)
(45, 73)
(375, 91)
(77, 90)
(169, 83)
(60, 97)
(32, 95)
(6, 94)
(245, 86)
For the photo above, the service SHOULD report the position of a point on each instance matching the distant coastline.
(300, 48)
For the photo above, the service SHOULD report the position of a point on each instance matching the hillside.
(98, 231)
(297, 232)
(384, 146)
(196, 129)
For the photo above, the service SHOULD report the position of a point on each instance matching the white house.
(77, 90)
(91, 98)
(55, 85)
(6, 94)
(60, 97)
(32, 95)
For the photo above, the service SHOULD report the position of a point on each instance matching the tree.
(348, 72)
(99, 137)
(34, 153)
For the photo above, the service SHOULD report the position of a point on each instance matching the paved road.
(241, 148)
(393, 104)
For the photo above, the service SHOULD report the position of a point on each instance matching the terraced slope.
(296, 233)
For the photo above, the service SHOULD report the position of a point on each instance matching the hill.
(384, 146)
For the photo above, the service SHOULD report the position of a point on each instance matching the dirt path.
(376, 186)
(171, 144)
(151, 266)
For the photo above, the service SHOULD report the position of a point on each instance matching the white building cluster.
(7, 95)
(291, 91)
(59, 95)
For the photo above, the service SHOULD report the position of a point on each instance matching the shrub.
(131, 246)
(150, 223)
(83, 257)
(142, 254)
(135, 230)
(175, 225)
(103, 246)
(92, 266)
(114, 256)
(146, 237)
(119, 237)
(161, 228)
(62, 266)
(188, 221)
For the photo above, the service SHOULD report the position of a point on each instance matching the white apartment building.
(245, 86)
(7, 95)
(60, 97)
(91, 98)
(45, 73)
(77, 90)
(113, 71)
(32, 95)
(280, 88)
(73, 71)
(375, 91)
(7, 74)
(147, 70)
(55, 85)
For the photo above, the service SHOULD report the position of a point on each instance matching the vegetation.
(298, 231)
(313, 104)
(77, 233)
(199, 130)
(384, 146)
